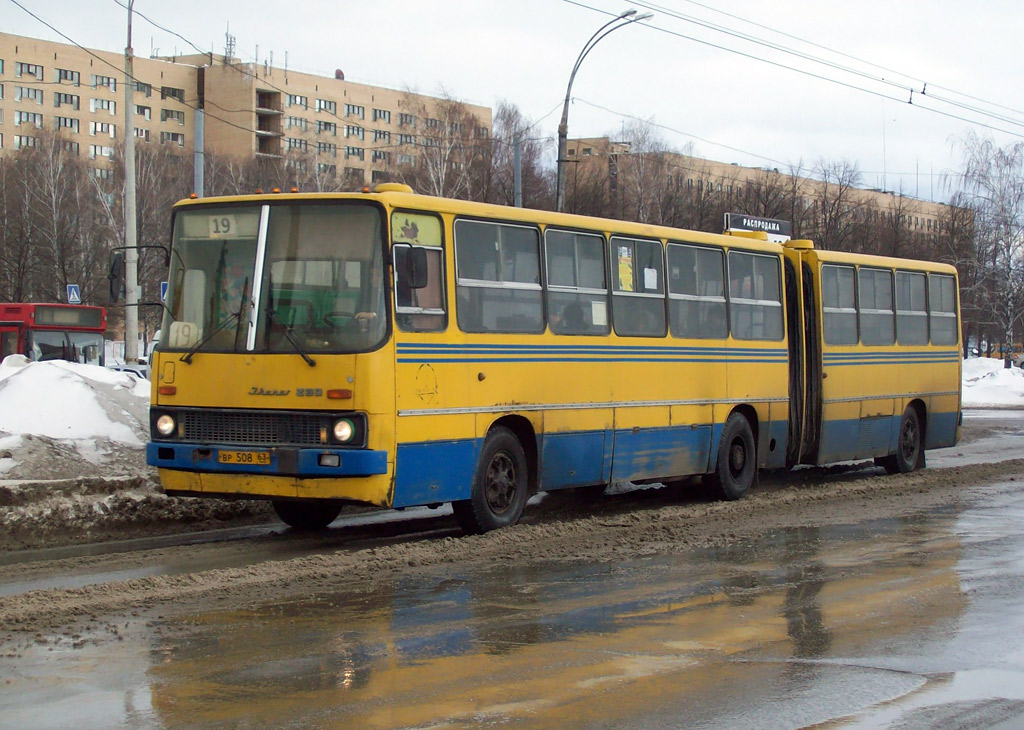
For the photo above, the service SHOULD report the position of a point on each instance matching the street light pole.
(629, 16)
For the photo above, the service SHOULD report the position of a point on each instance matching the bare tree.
(992, 181)
(836, 204)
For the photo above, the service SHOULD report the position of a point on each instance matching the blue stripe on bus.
(437, 360)
(856, 438)
(576, 349)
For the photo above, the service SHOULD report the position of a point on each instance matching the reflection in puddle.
(565, 644)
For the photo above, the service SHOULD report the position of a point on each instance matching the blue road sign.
(74, 295)
(163, 291)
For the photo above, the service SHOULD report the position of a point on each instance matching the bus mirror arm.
(416, 268)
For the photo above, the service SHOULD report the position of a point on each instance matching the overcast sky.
(669, 69)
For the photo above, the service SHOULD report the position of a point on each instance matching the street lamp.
(628, 16)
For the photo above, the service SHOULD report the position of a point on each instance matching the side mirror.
(116, 276)
(416, 268)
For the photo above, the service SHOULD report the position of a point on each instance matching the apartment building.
(919, 216)
(250, 109)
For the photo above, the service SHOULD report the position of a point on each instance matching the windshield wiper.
(286, 331)
(235, 317)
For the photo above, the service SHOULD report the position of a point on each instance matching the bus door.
(10, 339)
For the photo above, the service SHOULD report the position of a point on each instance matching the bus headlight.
(343, 430)
(165, 425)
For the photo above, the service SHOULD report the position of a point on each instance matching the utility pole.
(517, 171)
(131, 251)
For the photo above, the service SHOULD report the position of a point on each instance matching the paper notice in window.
(651, 279)
(599, 313)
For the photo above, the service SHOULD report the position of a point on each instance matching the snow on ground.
(987, 383)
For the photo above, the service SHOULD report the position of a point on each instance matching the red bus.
(71, 332)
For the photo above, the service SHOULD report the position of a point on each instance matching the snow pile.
(60, 419)
(987, 383)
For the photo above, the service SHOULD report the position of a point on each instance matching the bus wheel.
(908, 447)
(499, 485)
(313, 515)
(737, 459)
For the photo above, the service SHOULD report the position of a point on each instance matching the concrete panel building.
(249, 109)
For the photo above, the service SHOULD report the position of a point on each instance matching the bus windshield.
(318, 279)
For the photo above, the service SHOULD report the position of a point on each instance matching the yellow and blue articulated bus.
(394, 349)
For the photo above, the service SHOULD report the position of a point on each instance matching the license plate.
(261, 458)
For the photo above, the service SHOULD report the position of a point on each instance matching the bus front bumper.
(296, 462)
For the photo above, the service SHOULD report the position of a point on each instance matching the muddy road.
(823, 592)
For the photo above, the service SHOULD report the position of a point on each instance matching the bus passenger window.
(942, 309)
(876, 319)
(638, 294)
(696, 292)
(755, 299)
(577, 295)
(911, 315)
(498, 277)
(839, 304)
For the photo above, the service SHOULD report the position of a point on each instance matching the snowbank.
(57, 417)
(987, 383)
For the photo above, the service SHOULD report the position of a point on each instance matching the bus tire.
(736, 466)
(500, 485)
(307, 516)
(908, 445)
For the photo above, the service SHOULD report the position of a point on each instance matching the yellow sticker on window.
(415, 228)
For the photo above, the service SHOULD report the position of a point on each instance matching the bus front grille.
(257, 428)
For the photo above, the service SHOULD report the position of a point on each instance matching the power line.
(811, 74)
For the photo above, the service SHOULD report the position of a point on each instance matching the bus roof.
(451, 206)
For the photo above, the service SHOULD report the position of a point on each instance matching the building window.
(28, 69)
(354, 152)
(382, 115)
(69, 147)
(66, 75)
(297, 123)
(294, 143)
(324, 168)
(323, 105)
(298, 100)
(66, 123)
(145, 89)
(174, 137)
(103, 173)
(353, 130)
(104, 81)
(406, 159)
(145, 112)
(169, 92)
(483, 132)
(354, 110)
(22, 142)
(23, 93)
(433, 123)
(407, 139)
(142, 134)
(170, 115)
(61, 99)
(96, 150)
(108, 105)
(330, 128)
(407, 120)
(102, 128)
(381, 135)
(33, 118)
(327, 148)
(381, 156)
(379, 176)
